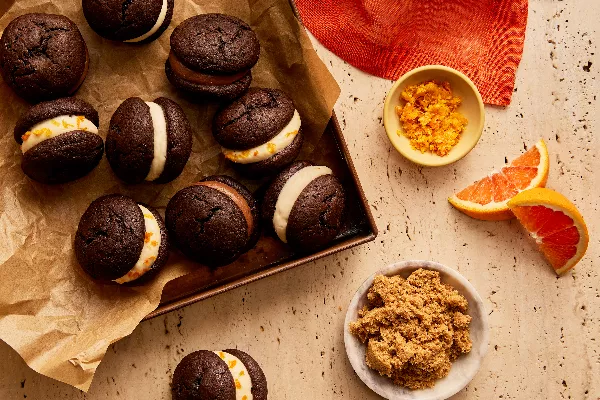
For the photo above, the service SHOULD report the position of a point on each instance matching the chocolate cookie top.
(129, 143)
(148, 141)
(304, 206)
(274, 189)
(64, 158)
(215, 44)
(202, 375)
(316, 216)
(253, 119)
(51, 109)
(259, 381)
(43, 56)
(124, 20)
(209, 225)
(110, 237)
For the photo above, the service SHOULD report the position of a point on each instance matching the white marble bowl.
(463, 369)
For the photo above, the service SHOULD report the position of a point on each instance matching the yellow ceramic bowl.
(471, 108)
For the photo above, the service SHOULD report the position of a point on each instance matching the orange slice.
(486, 199)
(556, 225)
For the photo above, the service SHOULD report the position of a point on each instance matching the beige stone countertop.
(545, 335)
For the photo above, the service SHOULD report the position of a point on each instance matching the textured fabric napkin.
(482, 38)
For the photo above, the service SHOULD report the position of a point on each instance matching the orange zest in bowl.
(429, 117)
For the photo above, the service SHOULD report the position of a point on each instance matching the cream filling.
(157, 25)
(260, 153)
(241, 378)
(149, 254)
(290, 193)
(56, 126)
(159, 122)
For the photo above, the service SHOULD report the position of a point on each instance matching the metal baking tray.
(271, 256)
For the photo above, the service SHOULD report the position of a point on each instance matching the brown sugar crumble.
(414, 328)
(430, 118)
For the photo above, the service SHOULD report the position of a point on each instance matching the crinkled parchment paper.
(56, 318)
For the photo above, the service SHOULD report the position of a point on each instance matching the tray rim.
(344, 245)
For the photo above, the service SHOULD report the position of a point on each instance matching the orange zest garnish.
(149, 261)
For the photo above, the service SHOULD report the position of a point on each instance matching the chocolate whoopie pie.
(149, 141)
(219, 375)
(131, 21)
(211, 56)
(43, 57)
(304, 206)
(213, 221)
(59, 140)
(120, 240)
(259, 132)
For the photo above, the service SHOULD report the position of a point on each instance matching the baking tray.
(270, 256)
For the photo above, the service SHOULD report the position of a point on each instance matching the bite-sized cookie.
(219, 375)
(131, 21)
(259, 132)
(304, 206)
(43, 57)
(211, 56)
(120, 240)
(149, 141)
(213, 221)
(59, 140)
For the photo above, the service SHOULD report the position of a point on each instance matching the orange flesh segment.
(556, 234)
(503, 188)
(558, 256)
(531, 158)
(504, 185)
(520, 177)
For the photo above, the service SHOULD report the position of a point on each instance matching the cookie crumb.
(414, 328)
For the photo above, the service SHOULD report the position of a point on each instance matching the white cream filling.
(260, 153)
(56, 126)
(241, 378)
(159, 122)
(290, 193)
(149, 253)
(157, 25)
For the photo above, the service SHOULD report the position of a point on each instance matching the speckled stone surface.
(544, 331)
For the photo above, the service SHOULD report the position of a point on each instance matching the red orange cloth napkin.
(482, 38)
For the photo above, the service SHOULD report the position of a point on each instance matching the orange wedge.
(486, 199)
(556, 225)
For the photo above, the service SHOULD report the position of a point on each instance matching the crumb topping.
(414, 328)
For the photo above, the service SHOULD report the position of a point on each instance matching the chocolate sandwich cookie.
(130, 21)
(259, 132)
(213, 221)
(43, 57)
(59, 140)
(120, 240)
(219, 375)
(211, 56)
(304, 206)
(149, 141)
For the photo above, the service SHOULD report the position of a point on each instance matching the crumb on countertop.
(414, 328)
(430, 118)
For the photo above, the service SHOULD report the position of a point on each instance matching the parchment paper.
(56, 318)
